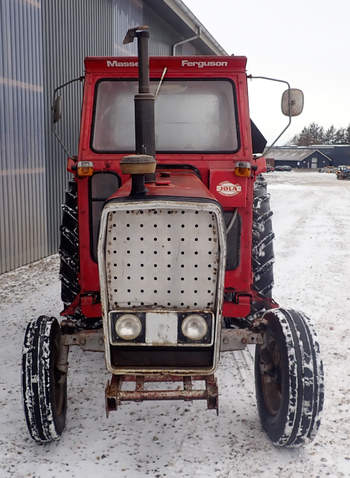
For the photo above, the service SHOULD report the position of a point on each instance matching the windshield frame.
(155, 80)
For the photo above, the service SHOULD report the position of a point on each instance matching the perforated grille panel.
(162, 258)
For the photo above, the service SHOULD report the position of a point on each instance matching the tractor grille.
(161, 258)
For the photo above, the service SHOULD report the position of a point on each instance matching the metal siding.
(22, 167)
(126, 14)
(71, 31)
(163, 35)
(130, 13)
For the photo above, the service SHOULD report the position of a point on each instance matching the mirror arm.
(251, 77)
(53, 124)
(278, 137)
(80, 78)
(60, 142)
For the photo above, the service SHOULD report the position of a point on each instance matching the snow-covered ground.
(182, 439)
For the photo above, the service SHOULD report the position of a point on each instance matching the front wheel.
(43, 380)
(289, 378)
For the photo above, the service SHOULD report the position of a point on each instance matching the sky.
(306, 42)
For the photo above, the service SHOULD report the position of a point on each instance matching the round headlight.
(194, 327)
(128, 327)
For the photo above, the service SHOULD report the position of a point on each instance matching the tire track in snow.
(304, 248)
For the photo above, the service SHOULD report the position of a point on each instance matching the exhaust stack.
(142, 164)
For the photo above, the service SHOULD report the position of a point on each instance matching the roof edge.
(187, 17)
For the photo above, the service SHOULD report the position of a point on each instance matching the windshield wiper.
(160, 81)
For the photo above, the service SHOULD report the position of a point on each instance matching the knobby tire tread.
(262, 243)
(69, 246)
(305, 377)
(37, 380)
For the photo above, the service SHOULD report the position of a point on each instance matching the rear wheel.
(289, 378)
(262, 244)
(44, 384)
(69, 259)
(69, 246)
(262, 253)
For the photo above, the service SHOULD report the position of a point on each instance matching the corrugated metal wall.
(43, 44)
(71, 31)
(129, 13)
(126, 14)
(23, 212)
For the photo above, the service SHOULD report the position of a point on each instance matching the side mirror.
(57, 109)
(292, 102)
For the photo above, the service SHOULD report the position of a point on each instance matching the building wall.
(71, 30)
(129, 13)
(42, 45)
(340, 154)
(314, 161)
(23, 211)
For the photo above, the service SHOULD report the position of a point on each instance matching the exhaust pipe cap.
(138, 164)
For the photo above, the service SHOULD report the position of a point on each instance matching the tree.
(330, 135)
(315, 134)
(312, 134)
(347, 137)
(340, 136)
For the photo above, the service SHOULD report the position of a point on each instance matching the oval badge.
(225, 188)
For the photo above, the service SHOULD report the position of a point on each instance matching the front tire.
(44, 385)
(289, 379)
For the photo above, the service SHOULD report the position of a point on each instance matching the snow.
(170, 439)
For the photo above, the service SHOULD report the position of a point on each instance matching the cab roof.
(180, 64)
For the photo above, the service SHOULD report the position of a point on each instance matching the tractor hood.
(169, 183)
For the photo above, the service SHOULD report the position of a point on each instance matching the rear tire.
(44, 385)
(262, 244)
(69, 246)
(70, 260)
(289, 379)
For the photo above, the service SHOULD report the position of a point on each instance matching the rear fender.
(261, 166)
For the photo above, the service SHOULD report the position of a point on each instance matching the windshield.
(190, 116)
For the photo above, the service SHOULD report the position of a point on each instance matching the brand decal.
(116, 63)
(202, 64)
(225, 188)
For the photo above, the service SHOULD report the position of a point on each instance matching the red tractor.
(166, 248)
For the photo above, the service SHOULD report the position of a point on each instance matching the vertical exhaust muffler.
(141, 165)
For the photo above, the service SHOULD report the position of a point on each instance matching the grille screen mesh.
(162, 258)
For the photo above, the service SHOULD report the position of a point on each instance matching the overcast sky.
(306, 42)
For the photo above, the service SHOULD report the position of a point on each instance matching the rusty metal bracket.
(88, 340)
(62, 359)
(237, 339)
(114, 394)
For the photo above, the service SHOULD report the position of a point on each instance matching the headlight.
(128, 327)
(194, 327)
